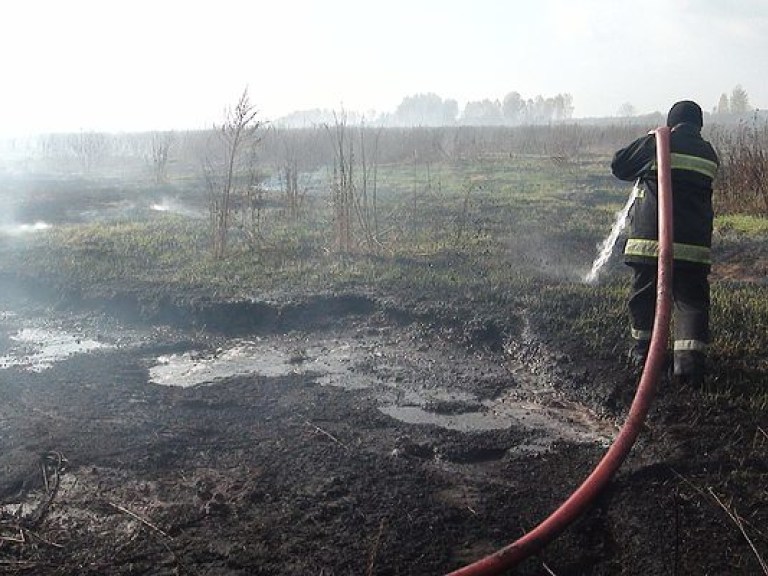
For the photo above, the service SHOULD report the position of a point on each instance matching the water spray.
(583, 497)
(606, 247)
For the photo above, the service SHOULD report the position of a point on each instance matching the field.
(396, 381)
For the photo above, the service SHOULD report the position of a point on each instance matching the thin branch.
(704, 495)
(375, 549)
(16, 540)
(328, 434)
(740, 525)
(139, 518)
(35, 536)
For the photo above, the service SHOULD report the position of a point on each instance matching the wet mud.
(339, 436)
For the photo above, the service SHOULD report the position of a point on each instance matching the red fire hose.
(514, 553)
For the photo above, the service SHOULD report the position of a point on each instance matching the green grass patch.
(742, 224)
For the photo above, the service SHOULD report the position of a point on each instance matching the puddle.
(329, 361)
(414, 382)
(38, 349)
(195, 368)
(561, 423)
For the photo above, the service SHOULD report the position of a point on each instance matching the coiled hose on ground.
(514, 553)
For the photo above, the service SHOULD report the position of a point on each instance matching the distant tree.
(723, 105)
(739, 100)
(483, 112)
(450, 111)
(626, 110)
(538, 110)
(545, 109)
(426, 110)
(512, 108)
(563, 106)
(306, 118)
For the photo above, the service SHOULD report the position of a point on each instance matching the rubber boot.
(637, 354)
(689, 368)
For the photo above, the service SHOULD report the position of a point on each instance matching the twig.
(740, 525)
(51, 480)
(331, 436)
(139, 518)
(704, 495)
(764, 433)
(375, 549)
(20, 540)
(548, 569)
(34, 535)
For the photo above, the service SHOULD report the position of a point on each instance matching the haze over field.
(142, 65)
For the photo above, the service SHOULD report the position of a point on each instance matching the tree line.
(430, 109)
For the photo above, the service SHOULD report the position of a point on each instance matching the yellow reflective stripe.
(641, 334)
(692, 253)
(693, 163)
(650, 249)
(690, 346)
(638, 247)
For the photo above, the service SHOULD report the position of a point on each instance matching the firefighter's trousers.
(691, 298)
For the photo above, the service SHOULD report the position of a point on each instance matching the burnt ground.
(380, 459)
(360, 435)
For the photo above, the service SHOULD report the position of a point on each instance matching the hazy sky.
(71, 65)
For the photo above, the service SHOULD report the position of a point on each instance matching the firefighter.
(694, 165)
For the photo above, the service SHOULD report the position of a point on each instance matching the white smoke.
(173, 206)
(23, 229)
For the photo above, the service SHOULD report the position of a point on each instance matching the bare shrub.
(159, 153)
(742, 182)
(353, 196)
(287, 168)
(230, 169)
(342, 186)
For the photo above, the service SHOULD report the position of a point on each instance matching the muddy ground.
(372, 443)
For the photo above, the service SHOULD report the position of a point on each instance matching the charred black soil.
(367, 467)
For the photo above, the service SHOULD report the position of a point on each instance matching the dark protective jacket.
(694, 165)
